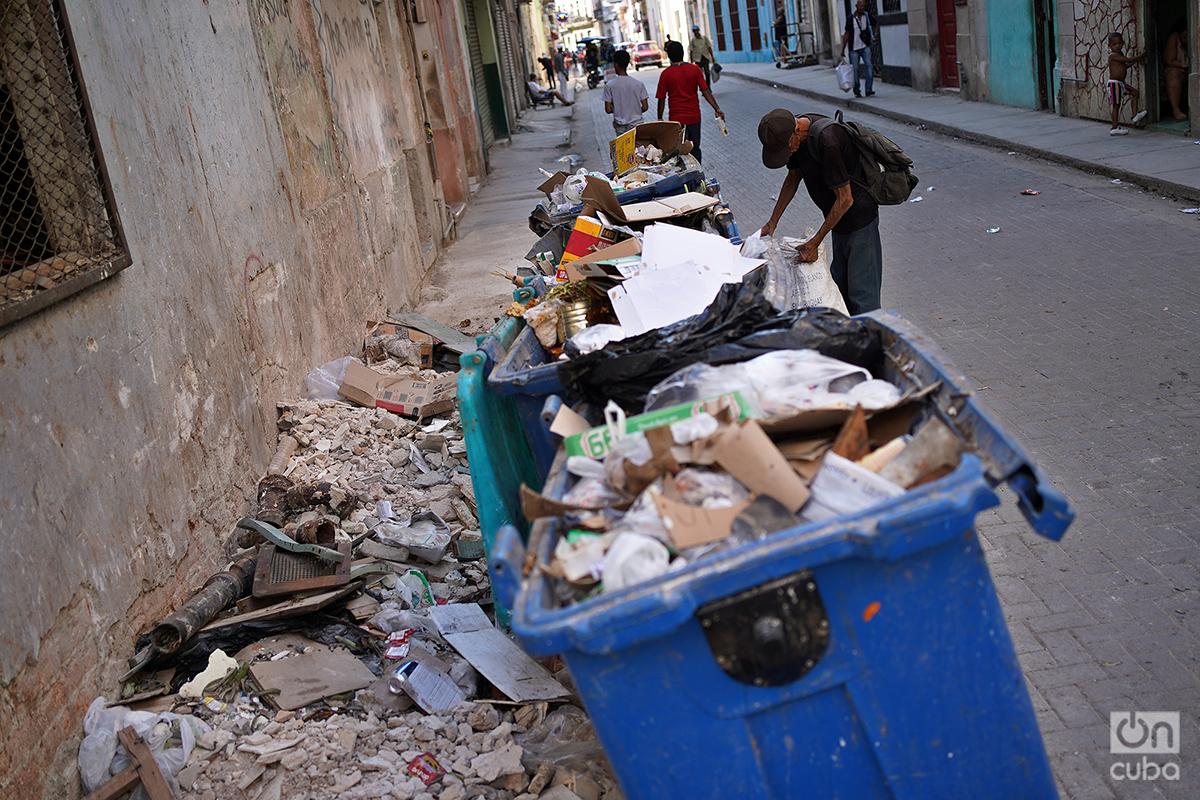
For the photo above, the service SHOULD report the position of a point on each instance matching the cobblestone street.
(1078, 323)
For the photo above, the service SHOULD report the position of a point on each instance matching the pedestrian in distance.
(860, 35)
(700, 52)
(545, 94)
(851, 214)
(560, 69)
(1118, 66)
(625, 97)
(680, 83)
(547, 64)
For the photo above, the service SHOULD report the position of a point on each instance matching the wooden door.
(947, 44)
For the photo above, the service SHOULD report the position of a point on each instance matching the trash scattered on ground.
(994, 230)
(1190, 210)
(917, 199)
(1030, 191)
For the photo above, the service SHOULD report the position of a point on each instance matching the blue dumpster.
(862, 657)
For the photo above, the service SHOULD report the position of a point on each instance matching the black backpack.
(889, 178)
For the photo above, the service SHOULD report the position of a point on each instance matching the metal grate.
(59, 231)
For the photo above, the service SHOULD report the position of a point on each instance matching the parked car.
(647, 54)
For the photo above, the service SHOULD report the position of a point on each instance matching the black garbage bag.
(739, 325)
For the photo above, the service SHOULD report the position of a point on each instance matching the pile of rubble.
(348, 649)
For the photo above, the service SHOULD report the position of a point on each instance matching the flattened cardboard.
(746, 453)
(620, 151)
(557, 179)
(311, 676)
(688, 525)
(852, 441)
(597, 442)
(471, 633)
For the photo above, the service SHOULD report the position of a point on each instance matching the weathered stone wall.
(271, 171)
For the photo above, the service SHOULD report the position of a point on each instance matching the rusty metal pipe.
(219, 591)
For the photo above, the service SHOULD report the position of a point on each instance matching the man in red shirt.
(679, 82)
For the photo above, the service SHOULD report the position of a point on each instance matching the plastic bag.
(812, 281)
(323, 382)
(632, 559)
(170, 738)
(565, 738)
(739, 324)
(543, 318)
(845, 76)
(591, 339)
(755, 245)
(779, 385)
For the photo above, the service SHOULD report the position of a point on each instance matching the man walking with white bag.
(860, 35)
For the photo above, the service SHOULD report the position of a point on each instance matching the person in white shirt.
(537, 91)
(625, 97)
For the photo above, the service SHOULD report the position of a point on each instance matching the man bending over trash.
(851, 214)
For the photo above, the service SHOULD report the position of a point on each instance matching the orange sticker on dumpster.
(870, 611)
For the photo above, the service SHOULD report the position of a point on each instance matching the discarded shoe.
(871, 93)
(1119, 132)
(1137, 118)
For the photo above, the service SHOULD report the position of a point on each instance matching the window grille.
(891, 7)
(59, 230)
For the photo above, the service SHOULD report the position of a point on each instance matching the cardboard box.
(663, 134)
(412, 398)
(599, 263)
(597, 442)
(557, 179)
(588, 237)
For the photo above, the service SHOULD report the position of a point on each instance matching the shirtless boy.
(1118, 64)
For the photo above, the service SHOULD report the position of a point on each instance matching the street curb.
(1146, 181)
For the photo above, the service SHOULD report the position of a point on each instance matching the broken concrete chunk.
(505, 761)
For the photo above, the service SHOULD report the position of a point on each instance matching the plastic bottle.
(722, 127)
(283, 454)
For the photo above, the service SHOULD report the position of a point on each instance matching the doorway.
(947, 29)
(1162, 18)
(1045, 44)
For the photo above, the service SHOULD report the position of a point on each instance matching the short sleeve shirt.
(679, 84)
(626, 95)
(837, 163)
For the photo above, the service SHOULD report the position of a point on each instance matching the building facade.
(211, 199)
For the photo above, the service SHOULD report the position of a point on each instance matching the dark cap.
(775, 130)
(695, 27)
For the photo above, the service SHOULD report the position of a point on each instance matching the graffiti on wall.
(288, 47)
(1094, 20)
(360, 94)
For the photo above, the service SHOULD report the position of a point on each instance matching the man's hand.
(768, 227)
(808, 250)
(720, 114)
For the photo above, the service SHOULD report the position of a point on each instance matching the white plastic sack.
(170, 738)
(845, 76)
(814, 285)
(323, 382)
(779, 385)
(632, 559)
(755, 245)
(597, 336)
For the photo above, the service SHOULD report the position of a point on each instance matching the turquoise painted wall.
(1012, 67)
(729, 55)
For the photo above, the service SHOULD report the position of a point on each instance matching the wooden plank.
(471, 633)
(152, 778)
(117, 785)
(291, 608)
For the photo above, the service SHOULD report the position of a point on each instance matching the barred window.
(58, 225)
(891, 7)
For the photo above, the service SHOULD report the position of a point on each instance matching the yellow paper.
(621, 151)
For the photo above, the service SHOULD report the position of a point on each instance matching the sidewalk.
(493, 233)
(1164, 162)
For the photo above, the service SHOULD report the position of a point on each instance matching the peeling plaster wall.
(1083, 63)
(264, 156)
